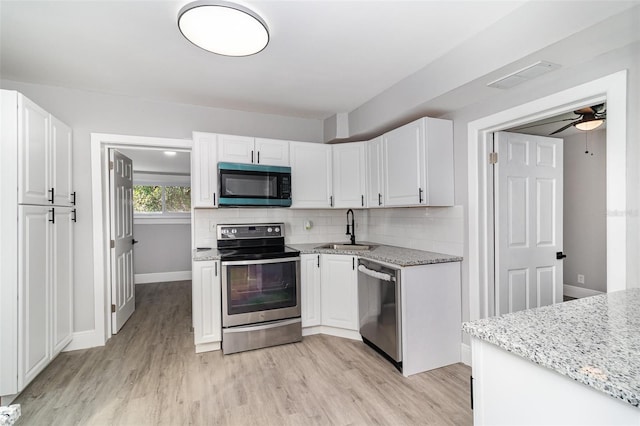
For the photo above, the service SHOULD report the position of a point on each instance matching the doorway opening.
(101, 144)
(584, 204)
(613, 90)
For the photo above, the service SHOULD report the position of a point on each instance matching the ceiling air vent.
(526, 73)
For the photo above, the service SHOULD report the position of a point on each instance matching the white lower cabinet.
(339, 278)
(207, 305)
(45, 291)
(310, 292)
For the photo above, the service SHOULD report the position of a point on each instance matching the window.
(161, 199)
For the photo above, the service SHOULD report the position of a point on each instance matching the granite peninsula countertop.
(390, 254)
(595, 340)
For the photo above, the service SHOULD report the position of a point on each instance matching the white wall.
(585, 210)
(90, 112)
(161, 248)
(627, 58)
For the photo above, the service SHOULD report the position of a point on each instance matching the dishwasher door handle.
(375, 274)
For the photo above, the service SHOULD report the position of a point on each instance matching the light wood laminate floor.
(148, 374)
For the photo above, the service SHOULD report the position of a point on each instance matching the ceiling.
(155, 161)
(324, 57)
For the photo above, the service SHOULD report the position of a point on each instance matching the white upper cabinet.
(61, 161)
(272, 152)
(33, 153)
(418, 164)
(403, 150)
(375, 178)
(439, 173)
(235, 149)
(204, 170)
(243, 149)
(311, 175)
(44, 157)
(349, 175)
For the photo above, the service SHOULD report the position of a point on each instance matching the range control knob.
(269, 229)
(277, 229)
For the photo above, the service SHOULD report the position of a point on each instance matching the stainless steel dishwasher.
(380, 309)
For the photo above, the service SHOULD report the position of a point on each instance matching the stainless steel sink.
(346, 246)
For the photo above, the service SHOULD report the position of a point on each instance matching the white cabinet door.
(236, 149)
(207, 304)
(404, 165)
(244, 149)
(311, 175)
(339, 291)
(204, 170)
(33, 154)
(310, 290)
(62, 279)
(349, 175)
(272, 152)
(439, 173)
(34, 323)
(61, 163)
(374, 169)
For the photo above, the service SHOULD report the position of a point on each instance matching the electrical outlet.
(212, 226)
(580, 279)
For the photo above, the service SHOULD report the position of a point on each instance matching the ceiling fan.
(588, 118)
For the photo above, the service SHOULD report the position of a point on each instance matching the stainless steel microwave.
(254, 185)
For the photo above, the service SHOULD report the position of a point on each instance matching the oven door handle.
(264, 326)
(261, 261)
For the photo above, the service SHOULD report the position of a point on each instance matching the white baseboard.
(465, 354)
(84, 340)
(332, 331)
(161, 277)
(579, 292)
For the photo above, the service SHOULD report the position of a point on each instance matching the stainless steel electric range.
(260, 287)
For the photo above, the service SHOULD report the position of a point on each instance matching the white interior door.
(528, 221)
(121, 230)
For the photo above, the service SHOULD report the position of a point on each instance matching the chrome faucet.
(351, 231)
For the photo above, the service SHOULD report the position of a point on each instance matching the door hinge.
(113, 308)
(493, 157)
(110, 165)
(113, 243)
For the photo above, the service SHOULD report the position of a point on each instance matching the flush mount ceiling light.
(170, 153)
(223, 28)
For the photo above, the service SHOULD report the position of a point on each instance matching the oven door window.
(246, 184)
(261, 287)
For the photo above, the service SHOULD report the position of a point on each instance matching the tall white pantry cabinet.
(37, 217)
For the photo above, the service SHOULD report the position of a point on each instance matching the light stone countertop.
(595, 340)
(398, 256)
(394, 255)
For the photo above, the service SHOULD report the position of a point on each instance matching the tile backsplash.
(438, 229)
(326, 225)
